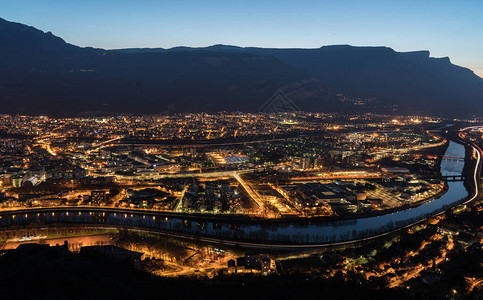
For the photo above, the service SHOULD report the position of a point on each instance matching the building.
(254, 262)
(98, 197)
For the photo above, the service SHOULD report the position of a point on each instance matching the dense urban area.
(274, 166)
(240, 167)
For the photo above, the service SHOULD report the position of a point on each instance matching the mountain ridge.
(421, 54)
(42, 74)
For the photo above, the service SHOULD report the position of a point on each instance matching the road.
(478, 166)
(214, 174)
(254, 195)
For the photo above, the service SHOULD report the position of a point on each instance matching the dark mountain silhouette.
(411, 80)
(42, 74)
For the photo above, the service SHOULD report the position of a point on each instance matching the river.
(310, 233)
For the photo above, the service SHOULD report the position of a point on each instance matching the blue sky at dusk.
(446, 28)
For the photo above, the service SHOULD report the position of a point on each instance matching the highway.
(477, 171)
